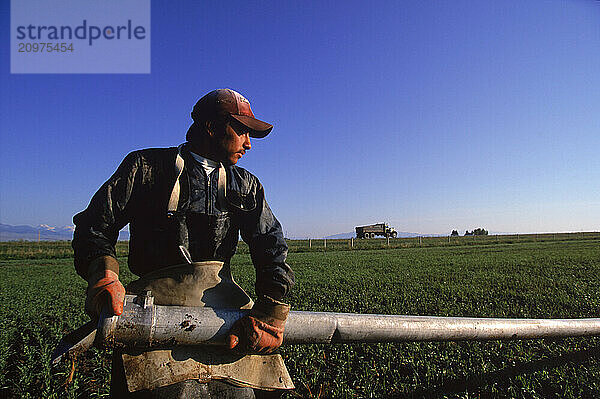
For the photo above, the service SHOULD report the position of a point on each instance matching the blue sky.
(431, 116)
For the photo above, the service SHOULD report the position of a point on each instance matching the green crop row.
(43, 299)
(62, 249)
(45, 250)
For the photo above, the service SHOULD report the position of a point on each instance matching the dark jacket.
(138, 194)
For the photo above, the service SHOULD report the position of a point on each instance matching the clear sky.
(430, 116)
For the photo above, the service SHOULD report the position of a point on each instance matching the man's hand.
(104, 288)
(261, 331)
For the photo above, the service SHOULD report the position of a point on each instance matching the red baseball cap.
(224, 102)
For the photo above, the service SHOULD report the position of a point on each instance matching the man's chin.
(234, 159)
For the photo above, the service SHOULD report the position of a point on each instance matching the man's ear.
(210, 128)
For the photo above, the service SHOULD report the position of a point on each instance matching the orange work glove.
(104, 288)
(260, 331)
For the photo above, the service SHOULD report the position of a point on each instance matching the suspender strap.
(174, 199)
(222, 188)
(221, 184)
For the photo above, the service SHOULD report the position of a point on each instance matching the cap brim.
(259, 129)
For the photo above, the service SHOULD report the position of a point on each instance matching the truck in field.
(373, 230)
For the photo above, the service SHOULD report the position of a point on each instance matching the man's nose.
(247, 144)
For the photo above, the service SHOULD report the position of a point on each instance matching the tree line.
(476, 232)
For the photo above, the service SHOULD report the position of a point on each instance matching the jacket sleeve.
(268, 250)
(97, 227)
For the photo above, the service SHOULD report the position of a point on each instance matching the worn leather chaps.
(196, 372)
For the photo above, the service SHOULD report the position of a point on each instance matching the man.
(186, 207)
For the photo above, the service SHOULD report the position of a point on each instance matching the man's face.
(232, 141)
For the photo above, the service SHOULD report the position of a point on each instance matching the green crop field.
(545, 276)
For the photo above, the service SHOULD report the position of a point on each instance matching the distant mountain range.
(43, 232)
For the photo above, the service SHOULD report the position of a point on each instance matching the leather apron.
(207, 284)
